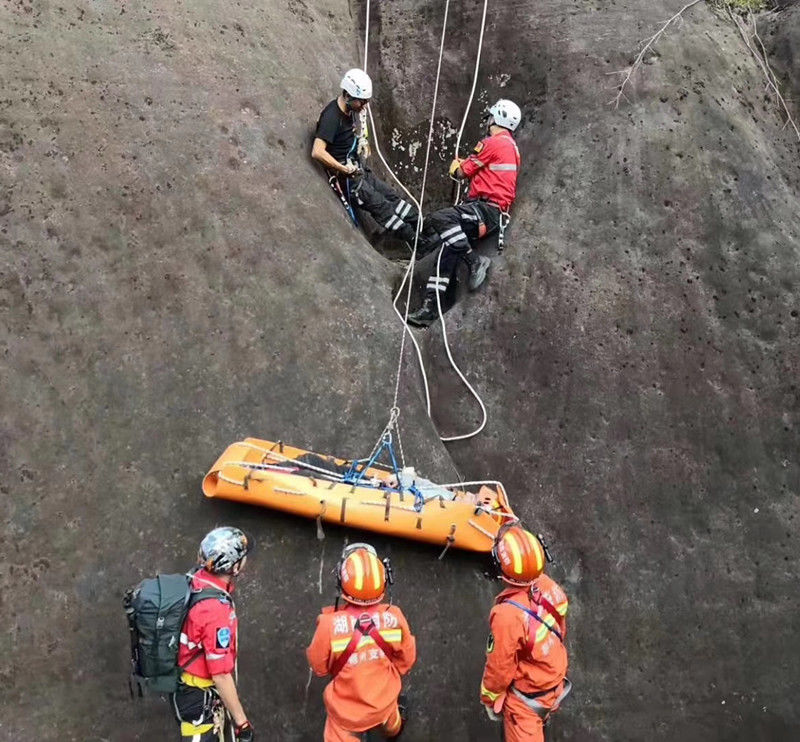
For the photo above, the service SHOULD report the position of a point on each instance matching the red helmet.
(362, 576)
(520, 556)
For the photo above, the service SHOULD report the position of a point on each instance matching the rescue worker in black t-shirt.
(336, 147)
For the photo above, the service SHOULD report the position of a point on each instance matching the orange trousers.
(334, 732)
(522, 724)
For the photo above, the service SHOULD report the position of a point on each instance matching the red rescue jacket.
(492, 169)
(209, 637)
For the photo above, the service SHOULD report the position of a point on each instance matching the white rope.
(458, 371)
(410, 270)
(407, 277)
(471, 92)
(463, 436)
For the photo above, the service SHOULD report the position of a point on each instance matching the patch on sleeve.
(490, 644)
(478, 148)
(223, 637)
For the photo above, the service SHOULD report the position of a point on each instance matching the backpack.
(156, 609)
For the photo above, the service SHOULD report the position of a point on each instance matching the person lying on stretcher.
(485, 497)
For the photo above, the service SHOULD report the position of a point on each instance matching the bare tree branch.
(761, 58)
(648, 44)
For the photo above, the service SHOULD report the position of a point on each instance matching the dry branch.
(763, 62)
(648, 44)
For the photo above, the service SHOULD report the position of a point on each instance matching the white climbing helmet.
(506, 113)
(357, 84)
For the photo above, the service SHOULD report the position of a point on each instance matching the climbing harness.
(364, 627)
(336, 186)
(550, 609)
(542, 711)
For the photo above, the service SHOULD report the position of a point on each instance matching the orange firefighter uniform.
(363, 694)
(526, 660)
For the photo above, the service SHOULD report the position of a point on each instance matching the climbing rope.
(471, 93)
(407, 277)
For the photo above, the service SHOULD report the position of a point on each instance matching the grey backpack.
(156, 609)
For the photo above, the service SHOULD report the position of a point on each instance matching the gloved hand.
(491, 714)
(454, 165)
(244, 732)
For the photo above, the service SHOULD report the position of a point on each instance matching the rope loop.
(407, 278)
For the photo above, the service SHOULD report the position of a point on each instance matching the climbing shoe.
(477, 272)
(426, 314)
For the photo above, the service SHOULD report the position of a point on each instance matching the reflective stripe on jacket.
(492, 169)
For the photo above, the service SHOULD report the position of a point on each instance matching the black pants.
(458, 228)
(393, 213)
(196, 709)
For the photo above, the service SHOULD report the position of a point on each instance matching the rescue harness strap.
(336, 186)
(365, 626)
(538, 708)
(550, 609)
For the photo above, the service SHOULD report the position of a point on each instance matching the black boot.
(478, 266)
(427, 313)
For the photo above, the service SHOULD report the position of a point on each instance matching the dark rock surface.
(637, 348)
(174, 274)
(779, 31)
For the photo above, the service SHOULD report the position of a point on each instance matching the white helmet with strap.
(357, 84)
(506, 113)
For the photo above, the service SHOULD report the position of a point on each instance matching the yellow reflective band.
(375, 566)
(562, 608)
(359, 569)
(537, 549)
(390, 635)
(486, 692)
(516, 554)
(543, 630)
(196, 682)
(190, 730)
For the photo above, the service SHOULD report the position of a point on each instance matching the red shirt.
(211, 628)
(492, 169)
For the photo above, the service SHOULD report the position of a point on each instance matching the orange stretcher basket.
(298, 481)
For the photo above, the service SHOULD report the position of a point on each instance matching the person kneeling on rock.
(366, 647)
(492, 170)
(338, 148)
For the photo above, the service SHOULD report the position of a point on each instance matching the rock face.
(637, 348)
(779, 31)
(175, 274)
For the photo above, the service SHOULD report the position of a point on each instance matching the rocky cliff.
(175, 274)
